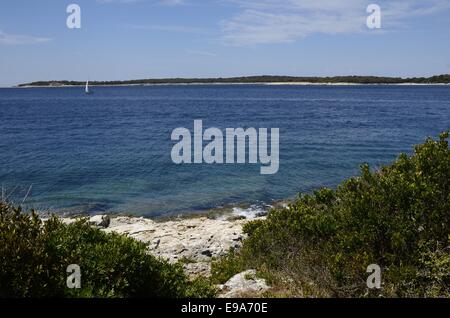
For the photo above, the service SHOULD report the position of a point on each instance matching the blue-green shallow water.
(111, 150)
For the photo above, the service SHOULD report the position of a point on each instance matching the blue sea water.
(110, 151)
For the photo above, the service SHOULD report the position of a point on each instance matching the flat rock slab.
(192, 240)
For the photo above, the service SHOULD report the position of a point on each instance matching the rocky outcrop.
(244, 284)
(194, 241)
(101, 221)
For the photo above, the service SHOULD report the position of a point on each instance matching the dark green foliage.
(397, 217)
(34, 256)
(260, 79)
(226, 267)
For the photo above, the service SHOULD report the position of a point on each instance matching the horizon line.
(240, 79)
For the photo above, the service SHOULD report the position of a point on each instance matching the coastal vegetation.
(397, 217)
(321, 245)
(34, 256)
(438, 79)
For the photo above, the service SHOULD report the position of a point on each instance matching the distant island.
(265, 79)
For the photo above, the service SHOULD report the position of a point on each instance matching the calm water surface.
(110, 151)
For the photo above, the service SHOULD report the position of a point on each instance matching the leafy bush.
(226, 267)
(34, 256)
(397, 217)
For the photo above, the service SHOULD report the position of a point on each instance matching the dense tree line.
(438, 79)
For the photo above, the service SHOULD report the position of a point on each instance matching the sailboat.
(86, 90)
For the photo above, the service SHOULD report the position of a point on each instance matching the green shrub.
(397, 217)
(34, 256)
(224, 268)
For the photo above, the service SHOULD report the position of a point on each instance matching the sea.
(110, 152)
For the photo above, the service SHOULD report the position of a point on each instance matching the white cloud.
(278, 21)
(169, 28)
(118, 1)
(16, 39)
(161, 2)
(173, 2)
(201, 53)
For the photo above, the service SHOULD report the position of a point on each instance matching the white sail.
(87, 87)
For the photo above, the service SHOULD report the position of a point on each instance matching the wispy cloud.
(161, 2)
(173, 2)
(169, 28)
(119, 1)
(201, 53)
(17, 39)
(273, 21)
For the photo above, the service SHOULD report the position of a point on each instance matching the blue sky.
(129, 39)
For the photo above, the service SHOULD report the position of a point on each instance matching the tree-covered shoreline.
(438, 79)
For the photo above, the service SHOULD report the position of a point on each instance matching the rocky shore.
(193, 241)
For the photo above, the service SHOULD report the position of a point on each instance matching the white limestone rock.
(101, 221)
(197, 239)
(244, 284)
